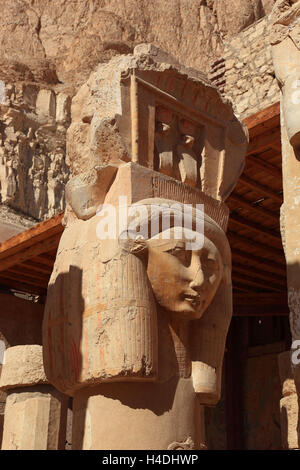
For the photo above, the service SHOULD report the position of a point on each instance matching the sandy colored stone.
(286, 373)
(159, 416)
(23, 367)
(86, 34)
(289, 421)
(284, 37)
(63, 108)
(141, 337)
(35, 419)
(162, 137)
(52, 47)
(46, 103)
(33, 171)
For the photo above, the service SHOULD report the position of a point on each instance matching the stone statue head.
(127, 283)
(184, 275)
(193, 283)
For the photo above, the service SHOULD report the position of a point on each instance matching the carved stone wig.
(112, 334)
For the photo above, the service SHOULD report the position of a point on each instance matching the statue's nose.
(198, 280)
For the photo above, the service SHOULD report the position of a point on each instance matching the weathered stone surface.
(144, 306)
(170, 142)
(289, 403)
(160, 416)
(286, 373)
(35, 413)
(76, 35)
(289, 421)
(284, 37)
(286, 59)
(35, 419)
(245, 73)
(23, 367)
(32, 151)
(52, 47)
(284, 34)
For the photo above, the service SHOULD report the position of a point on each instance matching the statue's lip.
(192, 297)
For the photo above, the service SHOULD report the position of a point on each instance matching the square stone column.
(288, 403)
(35, 412)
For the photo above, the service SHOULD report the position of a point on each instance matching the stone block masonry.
(245, 73)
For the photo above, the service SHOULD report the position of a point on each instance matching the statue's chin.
(186, 311)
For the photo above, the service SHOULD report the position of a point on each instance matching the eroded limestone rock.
(33, 172)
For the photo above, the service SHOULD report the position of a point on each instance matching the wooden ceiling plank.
(22, 286)
(237, 219)
(30, 237)
(29, 281)
(265, 298)
(264, 165)
(241, 285)
(249, 280)
(30, 252)
(236, 253)
(260, 304)
(259, 210)
(259, 273)
(275, 252)
(262, 116)
(27, 273)
(268, 139)
(44, 260)
(260, 188)
(38, 267)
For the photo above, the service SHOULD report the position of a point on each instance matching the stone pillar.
(136, 317)
(35, 413)
(288, 403)
(285, 42)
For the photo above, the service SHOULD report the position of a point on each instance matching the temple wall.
(245, 72)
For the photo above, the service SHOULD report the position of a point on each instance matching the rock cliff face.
(48, 49)
(72, 36)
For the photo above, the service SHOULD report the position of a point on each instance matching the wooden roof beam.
(246, 279)
(259, 273)
(246, 181)
(32, 236)
(33, 276)
(259, 210)
(34, 266)
(264, 141)
(245, 223)
(22, 286)
(275, 267)
(44, 260)
(236, 284)
(28, 280)
(262, 116)
(260, 304)
(237, 238)
(30, 252)
(264, 165)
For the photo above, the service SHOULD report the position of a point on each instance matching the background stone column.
(289, 403)
(35, 412)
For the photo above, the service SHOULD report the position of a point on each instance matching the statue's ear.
(135, 245)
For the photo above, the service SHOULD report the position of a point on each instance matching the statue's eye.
(209, 263)
(184, 256)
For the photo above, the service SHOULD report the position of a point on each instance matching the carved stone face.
(184, 281)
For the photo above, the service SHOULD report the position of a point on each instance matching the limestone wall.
(245, 72)
(33, 172)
